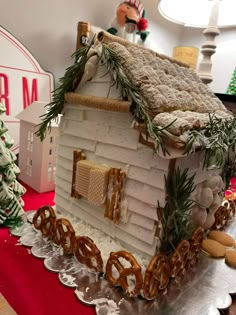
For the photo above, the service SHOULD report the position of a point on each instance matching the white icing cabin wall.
(107, 138)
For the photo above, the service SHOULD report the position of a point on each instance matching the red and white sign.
(22, 81)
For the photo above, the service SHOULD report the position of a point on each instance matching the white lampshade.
(195, 13)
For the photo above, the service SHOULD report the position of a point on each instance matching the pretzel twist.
(64, 235)
(116, 194)
(195, 242)
(114, 177)
(156, 276)
(179, 258)
(113, 203)
(48, 226)
(221, 216)
(232, 208)
(124, 273)
(117, 211)
(44, 219)
(87, 253)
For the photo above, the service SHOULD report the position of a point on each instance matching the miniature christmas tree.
(10, 189)
(232, 85)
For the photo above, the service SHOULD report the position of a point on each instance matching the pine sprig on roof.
(68, 83)
(71, 79)
(130, 92)
(218, 137)
(215, 139)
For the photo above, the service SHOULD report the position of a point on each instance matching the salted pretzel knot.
(124, 272)
(64, 235)
(87, 253)
(156, 276)
(195, 242)
(44, 219)
(179, 258)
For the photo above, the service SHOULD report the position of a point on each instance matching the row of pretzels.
(157, 275)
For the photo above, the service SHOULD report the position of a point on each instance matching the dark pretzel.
(232, 207)
(64, 235)
(43, 219)
(195, 242)
(179, 258)
(221, 217)
(156, 277)
(124, 272)
(88, 254)
(48, 226)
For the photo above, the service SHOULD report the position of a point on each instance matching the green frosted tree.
(11, 204)
(232, 84)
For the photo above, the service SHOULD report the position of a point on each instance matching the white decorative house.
(37, 160)
(107, 172)
(23, 75)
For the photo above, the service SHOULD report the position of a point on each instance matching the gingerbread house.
(127, 123)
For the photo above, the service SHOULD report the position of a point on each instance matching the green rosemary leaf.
(216, 139)
(128, 90)
(178, 188)
(69, 82)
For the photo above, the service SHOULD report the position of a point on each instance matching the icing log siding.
(107, 138)
(65, 205)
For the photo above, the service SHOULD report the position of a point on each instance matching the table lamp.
(212, 15)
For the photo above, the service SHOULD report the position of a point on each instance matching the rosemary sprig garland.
(218, 136)
(129, 91)
(175, 216)
(216, 139)
(68, 83)
(72, 78)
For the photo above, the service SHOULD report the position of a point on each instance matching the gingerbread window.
(91, 181)
(100, 184)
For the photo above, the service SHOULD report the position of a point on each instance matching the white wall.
(48, 29)
(164, 35)
(224, 60)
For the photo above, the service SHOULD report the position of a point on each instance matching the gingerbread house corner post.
(83, 34)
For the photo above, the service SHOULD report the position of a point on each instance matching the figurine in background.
(130, 21)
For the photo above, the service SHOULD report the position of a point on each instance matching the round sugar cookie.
(222, 237)
(230, 258)
(213, 248)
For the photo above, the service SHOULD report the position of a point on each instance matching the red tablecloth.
(24, 281)
(29, 288)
